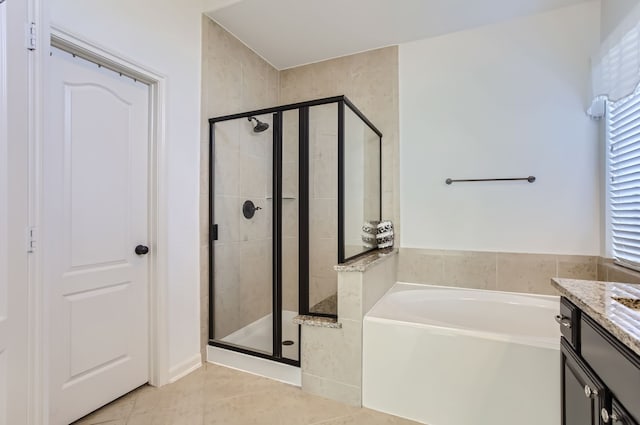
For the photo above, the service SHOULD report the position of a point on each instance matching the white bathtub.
(453, 356)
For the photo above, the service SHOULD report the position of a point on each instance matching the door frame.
(16, 114)
(158, 213)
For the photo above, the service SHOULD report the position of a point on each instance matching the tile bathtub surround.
(332, 358)
(611, 272)
(218, 395)
(513, 272)
(597, 299)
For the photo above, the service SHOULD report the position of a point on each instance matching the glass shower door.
(242, 246)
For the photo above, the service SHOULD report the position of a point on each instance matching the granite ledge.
(596, 299)
(367, 261)
(318, 321)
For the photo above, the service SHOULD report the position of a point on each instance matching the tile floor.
(215, 395)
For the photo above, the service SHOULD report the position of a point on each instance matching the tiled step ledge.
(317, 321)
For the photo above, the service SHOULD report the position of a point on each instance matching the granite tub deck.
(613, 305)
(362, 264)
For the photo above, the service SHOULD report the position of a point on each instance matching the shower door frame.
(303, 215)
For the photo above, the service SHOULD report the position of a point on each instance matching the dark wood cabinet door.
(582, 393)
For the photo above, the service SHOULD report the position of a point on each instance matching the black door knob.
(142, 250)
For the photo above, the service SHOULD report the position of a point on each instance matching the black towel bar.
(530, 179)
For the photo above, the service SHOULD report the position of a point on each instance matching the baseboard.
(185, 368)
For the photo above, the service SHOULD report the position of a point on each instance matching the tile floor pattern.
(215, 395)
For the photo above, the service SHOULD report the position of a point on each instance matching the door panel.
(96, 192)
(582, 392)
(97, 337)
(95, 147)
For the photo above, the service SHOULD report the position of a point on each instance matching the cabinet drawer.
(568, 320)
(614, 363)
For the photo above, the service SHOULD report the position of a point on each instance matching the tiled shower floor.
(218, 395)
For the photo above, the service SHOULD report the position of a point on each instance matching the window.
(623, 165)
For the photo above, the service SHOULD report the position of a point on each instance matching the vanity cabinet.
(600, 376)
(582, 392)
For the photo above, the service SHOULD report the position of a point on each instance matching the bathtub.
(453, 356)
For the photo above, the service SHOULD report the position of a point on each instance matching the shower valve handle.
(249, 209)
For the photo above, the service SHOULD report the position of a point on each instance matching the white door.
(95, 214)
(14, 212)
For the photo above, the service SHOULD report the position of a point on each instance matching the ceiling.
(289, 33)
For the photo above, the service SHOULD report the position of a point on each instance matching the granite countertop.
(614, 306)
(361, 264)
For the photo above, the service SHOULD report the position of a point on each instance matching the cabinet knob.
(589, 392)
(563, 321)
(606, 416)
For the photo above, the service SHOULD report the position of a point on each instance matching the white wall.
(164, 36)
(505, 100)
(613, 12)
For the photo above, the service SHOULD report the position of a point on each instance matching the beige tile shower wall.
(529, 273)
(370, 80)
(234, 79)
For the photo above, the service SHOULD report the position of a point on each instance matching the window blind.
(623, 134)
(617, 72)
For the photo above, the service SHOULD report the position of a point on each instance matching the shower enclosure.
(290, 188)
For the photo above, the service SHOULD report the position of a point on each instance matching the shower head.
(260, 126)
